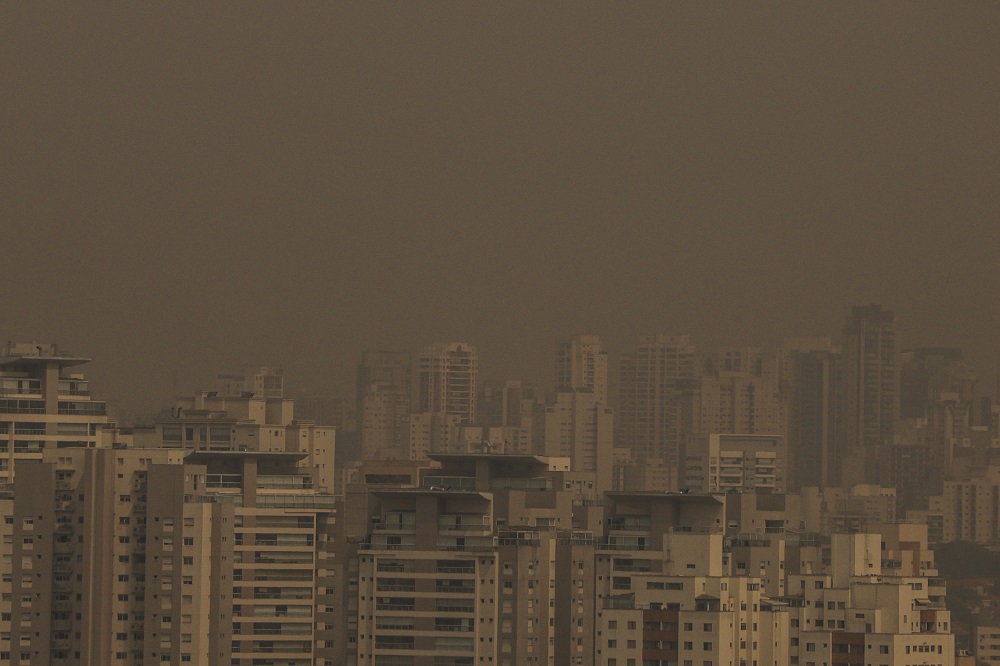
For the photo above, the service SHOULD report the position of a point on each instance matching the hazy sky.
(186, 188)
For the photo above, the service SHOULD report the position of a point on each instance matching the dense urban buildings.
(711, 510)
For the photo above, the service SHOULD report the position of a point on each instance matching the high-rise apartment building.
(871, 394)
(44, 405)
(582, 364)
(650, 415)
(579, 427)
(129, 556)
(462, 570)
(383, 413)
(446, 380)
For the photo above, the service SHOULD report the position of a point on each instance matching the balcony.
(464, 523)
(390, 542)
(231, 482)
(450, 482)
(521, 484)
(314, 502)
(14, 386)
(625, 543)
(519, 538)
(471, 543)
(284, 482)
(82, 408)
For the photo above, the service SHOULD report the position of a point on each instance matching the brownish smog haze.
(187, 188)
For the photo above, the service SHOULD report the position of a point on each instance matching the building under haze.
(871, 393)
(650, 416)
(814, 388)
(383, 412)
(44, 405)
(263, 382)
(446, 380)
(582, 364)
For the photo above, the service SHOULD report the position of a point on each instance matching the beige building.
(209, 421)
(736, 402)
(579, 427)
(156, 556)
(463, 567)
(44, 405)
(446, 380)
(738, 462)
(969, 510)
(383, 411)
(664, 592)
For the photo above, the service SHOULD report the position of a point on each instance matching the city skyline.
(192, 188)
(543, 375)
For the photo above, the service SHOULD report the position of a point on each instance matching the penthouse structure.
(43, 405)
(209, 421)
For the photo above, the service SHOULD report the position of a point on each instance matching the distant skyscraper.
(263, 382)
(583, 365)
(741, 396)
(871, 390)
(446, 380)
(649, 418)
(813, 386)
(578, 427)
(383, 391)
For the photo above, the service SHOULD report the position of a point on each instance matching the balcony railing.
(450, 482)
(285, 482)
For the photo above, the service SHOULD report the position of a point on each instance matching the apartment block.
(739, 462)
(154, 556)
(44, 405)
(463, 567)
